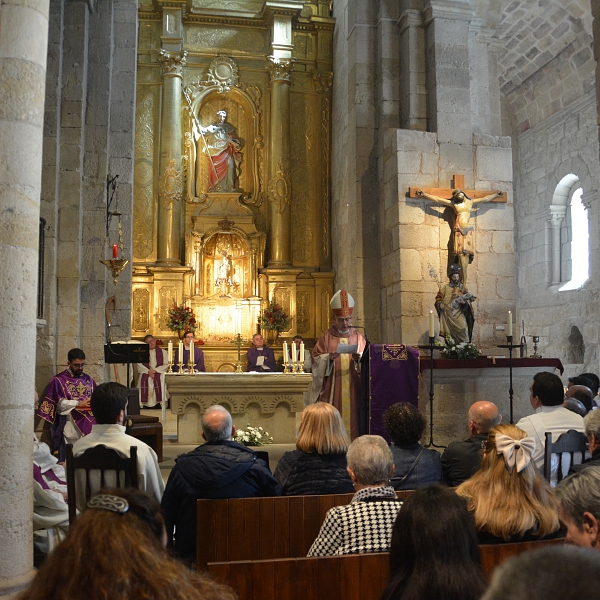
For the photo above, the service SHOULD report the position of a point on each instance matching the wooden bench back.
(349, 577)
(261, 528)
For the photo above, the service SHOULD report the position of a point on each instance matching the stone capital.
(451, 10)
(280, 69)
(172, 63)
(410, 18)
(557, 214)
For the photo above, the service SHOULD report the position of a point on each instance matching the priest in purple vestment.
(66, 403)
(188, 342)
(260, 357)
(151, 382)
(336, 375)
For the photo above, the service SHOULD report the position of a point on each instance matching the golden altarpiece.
(232, 164)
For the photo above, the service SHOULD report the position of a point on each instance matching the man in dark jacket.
(461, 460)
(592, 431)
(221, 468)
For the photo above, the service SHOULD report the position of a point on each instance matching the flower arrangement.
(462, 351)
(274, 318)
(252, 436)
(181, 318)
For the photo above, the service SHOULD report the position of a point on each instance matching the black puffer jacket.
(301, 473)
(223, 469)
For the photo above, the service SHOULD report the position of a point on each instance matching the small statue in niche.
(222, 149)
(224, 275)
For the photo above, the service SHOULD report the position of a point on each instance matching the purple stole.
(41, 477)
(64, 385)
(157, 385)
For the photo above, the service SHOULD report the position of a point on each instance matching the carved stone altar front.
(273, 401)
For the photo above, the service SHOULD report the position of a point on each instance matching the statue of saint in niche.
(221, 148)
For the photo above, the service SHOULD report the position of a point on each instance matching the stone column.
(413, 96)
(169, 180)
(23, 48)
(280, 187)
(558, 214)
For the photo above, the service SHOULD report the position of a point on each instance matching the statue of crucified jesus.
(462, 230)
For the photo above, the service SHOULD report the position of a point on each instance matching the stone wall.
(564, 144)
(88, 134)
(415, 236)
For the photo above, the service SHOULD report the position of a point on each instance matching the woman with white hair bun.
(508, 498)
(364, 525)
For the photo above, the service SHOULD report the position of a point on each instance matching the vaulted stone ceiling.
(545, 54)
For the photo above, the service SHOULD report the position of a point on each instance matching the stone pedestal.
(268, 400)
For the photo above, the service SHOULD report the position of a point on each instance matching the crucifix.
(238, 341)
(461, 202)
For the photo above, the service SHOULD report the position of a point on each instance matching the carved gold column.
(280, 188)
(170, 181)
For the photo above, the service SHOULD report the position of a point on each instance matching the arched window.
(569, 264)
(578, 267)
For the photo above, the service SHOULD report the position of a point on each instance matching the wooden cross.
(461, 201)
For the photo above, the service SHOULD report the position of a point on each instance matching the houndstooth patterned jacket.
(364, 525)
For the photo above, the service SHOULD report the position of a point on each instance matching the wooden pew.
(261, 528)
(492, 555)
(349, 577)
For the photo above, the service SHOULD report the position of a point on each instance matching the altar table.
(273, 401)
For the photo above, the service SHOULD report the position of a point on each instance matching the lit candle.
(285, 353)
(509, 324)
(294, 351)
(431, 329)
(115, 250)
(302, 352)
(170, 352)
(181, 351)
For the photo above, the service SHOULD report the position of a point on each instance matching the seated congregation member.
(109, 405)
(579, 507)
(434, 551)
(116, 550)
(414, 466)
(546, 398)
(318, 465)
(220, 468)
(582, 393)
(364, 525)
(592, 431)
(462, 460)
(556, 572)
(508, 498)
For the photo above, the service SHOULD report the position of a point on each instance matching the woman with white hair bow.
(510, 501)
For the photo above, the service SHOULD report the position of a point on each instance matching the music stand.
(126, 353)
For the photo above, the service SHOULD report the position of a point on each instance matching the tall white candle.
(509, 324)
(294, 351)
(285, 353)
(181, 351)
(170, 352)
(431, 328)
(301, 352)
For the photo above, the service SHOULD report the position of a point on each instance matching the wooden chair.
(102, 459)
(573, 443)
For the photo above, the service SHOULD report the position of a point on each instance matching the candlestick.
(115, 250)
(509, 331)
(192, 359)
(180, 357)
(301, 369)
(431, 328)
(285, 353)
(170, 356)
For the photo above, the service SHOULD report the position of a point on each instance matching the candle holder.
(191, 362)
(536, 341)
(180, 372)
(115, 266)
(509, 344)
(431, 347)
(170, 369)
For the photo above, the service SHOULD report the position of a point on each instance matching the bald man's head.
(483, 416)
(217, 424)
